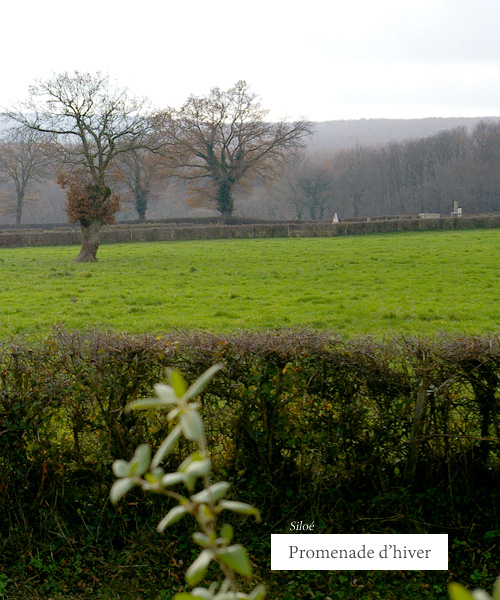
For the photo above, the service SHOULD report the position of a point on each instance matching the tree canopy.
(221, 140)
(93, 122)
(24, 161)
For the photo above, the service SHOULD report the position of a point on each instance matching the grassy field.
(412, 283)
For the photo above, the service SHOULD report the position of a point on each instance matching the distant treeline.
(359, 168)
(331, 136)
(426, 174)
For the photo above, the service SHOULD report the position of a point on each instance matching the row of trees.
(102, 146)
(421, 175)
(408, 177)
(97, 137)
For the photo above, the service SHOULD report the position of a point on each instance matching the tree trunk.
(19, 206)
(225, 203)
(90, 241)
(141, 202)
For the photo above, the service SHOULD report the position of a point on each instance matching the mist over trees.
(86, 151)
(140, 176)
(104, 140)
(399, 177)
(24, 162)
(332, 136)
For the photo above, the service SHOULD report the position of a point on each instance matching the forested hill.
(338, 135)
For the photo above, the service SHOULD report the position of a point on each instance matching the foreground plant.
(205, 506)
(458, 592)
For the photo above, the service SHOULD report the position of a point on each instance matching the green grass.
(411, 283)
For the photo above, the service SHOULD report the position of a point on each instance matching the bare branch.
(92, 122)
(225, 138)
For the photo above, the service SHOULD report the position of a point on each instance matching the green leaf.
(240, 507)
(458, 592)
(236, 558)
(213, 493)
(258, 593)
(121, 468)
(192, 424)
(177, 381)
(199, 468)
(172, 478)
(194, 595)
(191, 458)
(165, 393)
(154, 476)
(141, 460)
(120, 488)
(205, 514)
(203, 380)
(496, 589)
(226, 532)
(480, 595)
(196, 469)
(167, 445)
(145, 404)
(197, 570)
(173, 413)
(173, 515)
(202, 593)
(201, 539)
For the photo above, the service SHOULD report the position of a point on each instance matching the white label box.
(361, 552)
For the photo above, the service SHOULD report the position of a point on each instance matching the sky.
(317, 59)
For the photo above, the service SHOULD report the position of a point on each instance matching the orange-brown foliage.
(87, 201)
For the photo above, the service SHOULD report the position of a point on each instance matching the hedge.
(167, 232)
(363, 436)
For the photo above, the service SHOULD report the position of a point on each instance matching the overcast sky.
(321, 59)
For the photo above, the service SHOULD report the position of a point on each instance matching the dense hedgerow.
(152, 232)
(397, 436)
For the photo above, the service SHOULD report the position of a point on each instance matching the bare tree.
(24, 161)
(307, 185)
(316, 186)
(142, 173)
(221, 140)
(287, 186)
(94, 123)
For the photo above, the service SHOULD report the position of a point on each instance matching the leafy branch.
(458, 592)
(145, 471)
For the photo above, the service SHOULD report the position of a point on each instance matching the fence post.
(416, 431)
